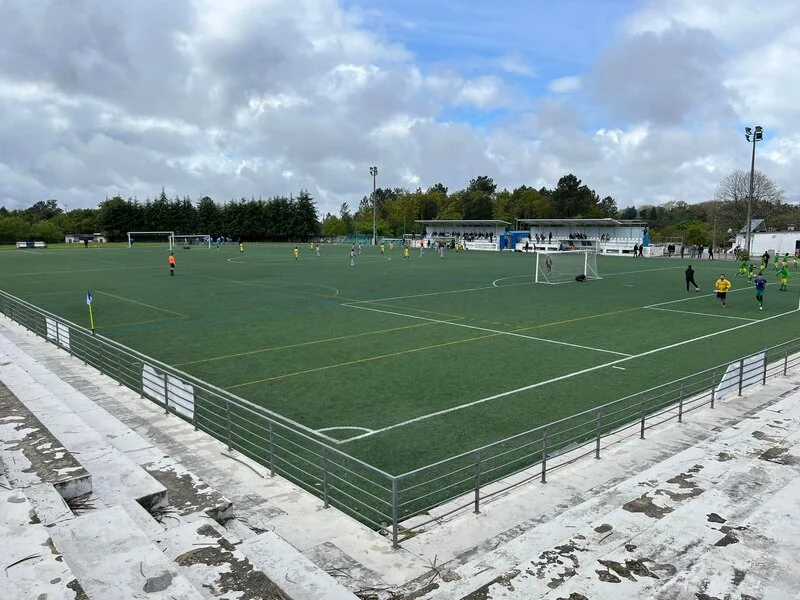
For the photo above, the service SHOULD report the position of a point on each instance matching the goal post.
(151, 237)
(190, 240)
(565, 265)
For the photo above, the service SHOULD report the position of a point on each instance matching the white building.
(77, 238)
(761, 240)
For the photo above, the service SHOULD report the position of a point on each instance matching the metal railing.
(371, 495)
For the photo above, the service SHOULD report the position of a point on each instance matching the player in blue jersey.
(761, 286)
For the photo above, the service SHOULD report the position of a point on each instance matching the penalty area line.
(560, 378)
(698, 314)
(495, 331)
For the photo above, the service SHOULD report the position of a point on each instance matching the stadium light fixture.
(374, 172)
(753, 136)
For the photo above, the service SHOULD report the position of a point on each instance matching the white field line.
(493, 286)
(699, 314)
(487, 329)
(487, 287)
(344, 427)
(561, 378)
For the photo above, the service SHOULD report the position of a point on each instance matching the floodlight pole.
(757, 135)
(374, 172)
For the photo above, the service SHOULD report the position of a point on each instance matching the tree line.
(295, 219)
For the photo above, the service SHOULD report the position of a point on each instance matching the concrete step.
(50, 507)
(32, 564)
(115, 477)
(113, 558)
(213, 560)
(636, 536)
(31, 454)
(187, 493)
(297, 575)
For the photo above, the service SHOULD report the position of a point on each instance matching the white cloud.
(516, 66)
(565, 85)
(263, 97)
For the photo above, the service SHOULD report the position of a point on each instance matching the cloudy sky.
(643, 100)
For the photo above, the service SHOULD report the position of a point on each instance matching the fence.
(372, 496)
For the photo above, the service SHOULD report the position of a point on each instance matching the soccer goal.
(151, 237)
(565, 265)
(194, 240)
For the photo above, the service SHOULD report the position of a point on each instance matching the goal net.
(564, 266)
(151, 238)
(194, 240)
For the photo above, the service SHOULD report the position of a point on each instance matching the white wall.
(778, 241)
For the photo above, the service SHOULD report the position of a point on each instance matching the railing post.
(166, 394)
(119, 369)
(325, 478)
(228, 422)
(680, 404)
(58, 335)
(764, 367)
(100, 354)
(271, 452)
(477, 482)
(641, 433)
(713, 386)
(785, 361)
(395, 524)
(544, 456)
(741, 375)
(599, 433)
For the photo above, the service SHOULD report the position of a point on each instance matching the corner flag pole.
(91, 316)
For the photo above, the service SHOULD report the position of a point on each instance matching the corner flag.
(89, 303)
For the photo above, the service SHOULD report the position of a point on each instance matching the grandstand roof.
(475, 222)
(583, 222)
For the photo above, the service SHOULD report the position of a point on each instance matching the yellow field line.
(136, 323)
(300, 344)
(274, 287)
(430, 312)
(605, 314)
(71, 271)
(172, 312)
(360, 360)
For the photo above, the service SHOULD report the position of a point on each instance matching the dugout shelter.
(611, 236)
(473, 234)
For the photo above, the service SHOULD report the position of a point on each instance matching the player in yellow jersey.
(383, 248)
(296, 253)
(405, 253)
(722, 286)
(783, 275)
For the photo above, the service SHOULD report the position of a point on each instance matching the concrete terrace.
(102, 495)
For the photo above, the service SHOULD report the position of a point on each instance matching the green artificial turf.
(403, 363)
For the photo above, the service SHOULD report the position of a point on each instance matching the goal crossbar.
(170, 236)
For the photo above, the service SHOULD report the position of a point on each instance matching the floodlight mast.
(751, 135)
(374, 172)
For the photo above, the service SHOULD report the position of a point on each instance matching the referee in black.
(690, 279)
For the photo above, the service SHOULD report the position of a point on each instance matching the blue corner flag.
(91, 316)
